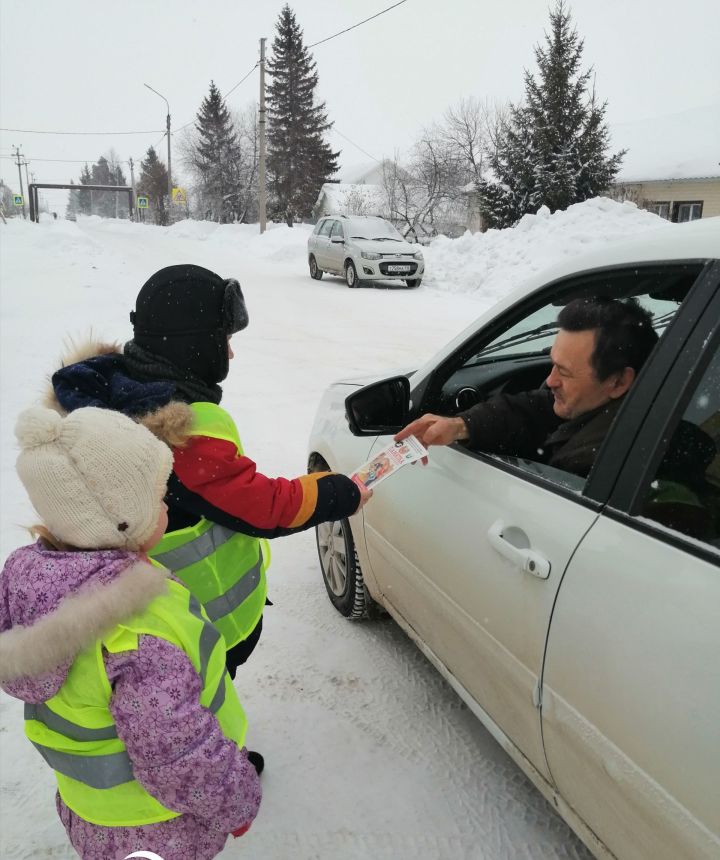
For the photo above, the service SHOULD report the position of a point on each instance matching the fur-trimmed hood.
(53, 604)
(99, 379)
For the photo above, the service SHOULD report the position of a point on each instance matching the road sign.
(142, 202)
(18, 200)
(179, 196)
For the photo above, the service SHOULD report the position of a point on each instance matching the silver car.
(363, 248)
(578, 618)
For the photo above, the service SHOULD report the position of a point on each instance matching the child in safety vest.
(126, 693)
(222, 508)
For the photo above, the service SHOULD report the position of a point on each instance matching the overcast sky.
(80, 65)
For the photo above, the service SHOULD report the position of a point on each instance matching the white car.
(598, 670)
(363, 248)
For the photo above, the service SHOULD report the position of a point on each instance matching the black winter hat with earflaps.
(185, 314)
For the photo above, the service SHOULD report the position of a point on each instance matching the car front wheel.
(351, 278)
(314, 271)
(413, 282)
(341, 570)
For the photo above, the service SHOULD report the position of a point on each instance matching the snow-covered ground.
(369, 753)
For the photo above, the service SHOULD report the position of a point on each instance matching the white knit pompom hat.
(95, 477)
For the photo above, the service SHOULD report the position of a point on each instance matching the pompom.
(37, 426)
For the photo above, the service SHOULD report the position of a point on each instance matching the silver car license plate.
(396, 267)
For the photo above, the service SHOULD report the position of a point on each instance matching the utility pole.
(132, 185)
(19, 163)
(262, 196)
(167, 122)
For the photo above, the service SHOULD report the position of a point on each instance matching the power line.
(63, 160)
(347, 29)
(322, 41)
(100, 133)
(357, 146)
(231, 90)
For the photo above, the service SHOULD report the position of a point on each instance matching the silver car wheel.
(350, 275)
(333, 556)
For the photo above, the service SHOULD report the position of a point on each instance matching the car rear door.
(322, 243)
(336, 247)
(631, 679)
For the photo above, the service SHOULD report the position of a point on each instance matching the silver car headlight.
(418, 255)
(370, 255)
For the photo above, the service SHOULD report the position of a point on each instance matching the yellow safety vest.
(223, 568)
(76, 735)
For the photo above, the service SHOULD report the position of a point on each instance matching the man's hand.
(365, 493)
(434, 430)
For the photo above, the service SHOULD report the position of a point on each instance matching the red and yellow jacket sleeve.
(210, 479)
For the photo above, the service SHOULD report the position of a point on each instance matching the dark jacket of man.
(525, 425)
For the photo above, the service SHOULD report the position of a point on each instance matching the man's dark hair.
(624, 333)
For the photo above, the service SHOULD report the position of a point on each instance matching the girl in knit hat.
(123, 677)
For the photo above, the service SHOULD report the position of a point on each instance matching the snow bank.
(494, 263)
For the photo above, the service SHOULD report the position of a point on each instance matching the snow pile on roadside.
(495, 262)
(279, 242)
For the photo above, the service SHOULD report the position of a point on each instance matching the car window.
(684, 494)
(373, 228)
(511, 356)
(337, 230)
(326, 227)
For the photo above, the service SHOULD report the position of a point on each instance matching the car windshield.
(376, 229)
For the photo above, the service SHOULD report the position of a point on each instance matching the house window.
(687, 210)
(659, 208)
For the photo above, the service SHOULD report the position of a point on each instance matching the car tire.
(413, 282)
(340, 565)
(315, 273)
(351, 278)
(341, 571)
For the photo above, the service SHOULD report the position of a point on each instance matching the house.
(672, 164)
(349, 198)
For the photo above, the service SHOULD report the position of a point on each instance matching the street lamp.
(168, 137)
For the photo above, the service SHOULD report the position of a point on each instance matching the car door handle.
(521, 556)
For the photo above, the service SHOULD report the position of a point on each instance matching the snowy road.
(369, 753)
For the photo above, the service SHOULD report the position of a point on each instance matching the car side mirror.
(379, 409)
(337, 240)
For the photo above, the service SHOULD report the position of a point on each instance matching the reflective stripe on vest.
(223, 568)
(78, 718)
(200, 548)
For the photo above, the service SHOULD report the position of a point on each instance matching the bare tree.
(246, 123)
(425, 195)
(472, 128)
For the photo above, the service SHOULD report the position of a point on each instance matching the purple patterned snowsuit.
(177, 748)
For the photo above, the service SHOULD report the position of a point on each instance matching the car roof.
(352, 218)
(667, 243)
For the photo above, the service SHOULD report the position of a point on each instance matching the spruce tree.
(214, 158)
(85, 200)
(73, 205)
(299, 159)
(152, 183)
(553, 150)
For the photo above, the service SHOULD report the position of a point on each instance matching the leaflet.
(388, 460)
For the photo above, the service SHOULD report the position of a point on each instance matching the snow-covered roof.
(347, 198)
(683, 145)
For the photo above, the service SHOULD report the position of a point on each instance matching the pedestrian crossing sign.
(18, 200)
(142, 203)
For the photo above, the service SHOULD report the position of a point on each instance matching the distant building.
(672, 166)
(346, 198)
